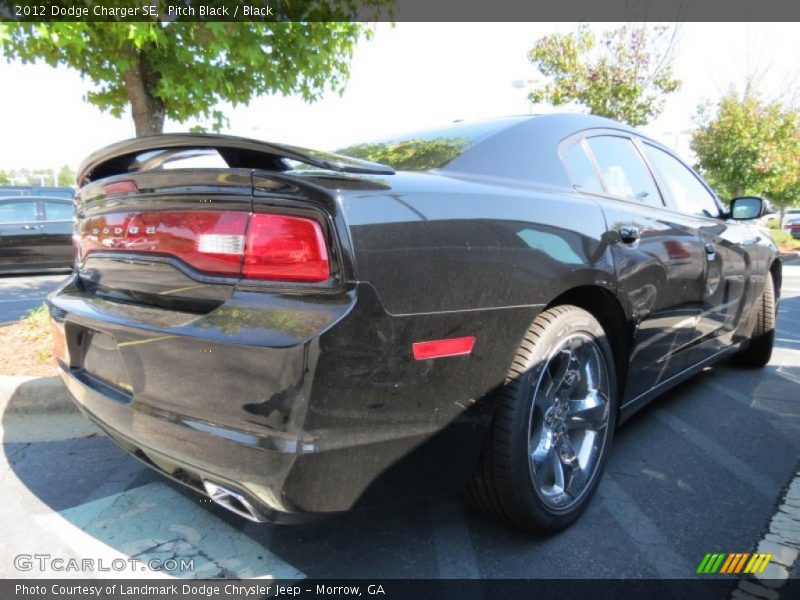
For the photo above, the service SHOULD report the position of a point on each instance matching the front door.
(730, 254)
(658, 261)
(57, 233)
(20, 244)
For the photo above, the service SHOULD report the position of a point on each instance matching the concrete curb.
(26, 395)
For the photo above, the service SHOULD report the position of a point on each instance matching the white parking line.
(157, 522)
(740, 470)
(649, 540)
(730, 392)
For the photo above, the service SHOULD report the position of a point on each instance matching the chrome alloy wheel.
(568, 423)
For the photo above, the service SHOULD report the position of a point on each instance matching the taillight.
(126, 186)
(285, 248)
(257, 246)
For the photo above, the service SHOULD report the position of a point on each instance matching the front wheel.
(758, 349)
(553, 425)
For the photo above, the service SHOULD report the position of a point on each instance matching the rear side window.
(689, 195)
(581, 169)
(623, 170)
(18, 212)
(58, 211)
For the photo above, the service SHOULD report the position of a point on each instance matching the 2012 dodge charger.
(295, 333)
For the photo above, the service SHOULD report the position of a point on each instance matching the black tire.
(503, 484)
(758, 349)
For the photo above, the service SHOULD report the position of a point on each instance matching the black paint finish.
(306, 398)
(35, 241)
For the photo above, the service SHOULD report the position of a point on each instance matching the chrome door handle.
(29, 227)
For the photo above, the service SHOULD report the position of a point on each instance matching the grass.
(784, 240)
(27, 345)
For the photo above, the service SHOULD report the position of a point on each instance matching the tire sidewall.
(566, 324)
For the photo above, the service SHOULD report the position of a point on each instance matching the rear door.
(730, 253)
(20, 243)
(658, 260)
(57, 225)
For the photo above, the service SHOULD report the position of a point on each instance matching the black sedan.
(297, 333)
(35, 234)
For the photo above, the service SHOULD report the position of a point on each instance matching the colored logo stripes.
(734, 562)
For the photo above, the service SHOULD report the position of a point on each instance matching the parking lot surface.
(702, 469)
(21, 293)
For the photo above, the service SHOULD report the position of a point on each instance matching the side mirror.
(748, 207)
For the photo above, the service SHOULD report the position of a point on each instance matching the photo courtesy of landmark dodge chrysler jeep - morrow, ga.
(296, 333)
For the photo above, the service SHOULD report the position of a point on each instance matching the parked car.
(790, 215)
(37, 190)
(35, 234)
(789, 220)
(301, 333)
(791, 224)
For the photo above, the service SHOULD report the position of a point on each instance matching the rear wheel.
(758, 350)
(553, 425)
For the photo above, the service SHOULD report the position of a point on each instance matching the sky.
(408, 77)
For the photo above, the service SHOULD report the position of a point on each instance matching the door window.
(584, 175)
(689, 195)
(623, 170)
(58, 211)
(18, 212)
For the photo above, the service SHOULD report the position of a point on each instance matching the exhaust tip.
(232, 501)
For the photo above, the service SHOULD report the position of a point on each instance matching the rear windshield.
(426, 149)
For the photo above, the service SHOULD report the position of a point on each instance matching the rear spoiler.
(151, 152)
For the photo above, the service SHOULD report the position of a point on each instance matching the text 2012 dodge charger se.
(295, 333)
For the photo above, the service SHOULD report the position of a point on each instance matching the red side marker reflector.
(442, 348)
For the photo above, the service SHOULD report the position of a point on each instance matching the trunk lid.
(178, 221)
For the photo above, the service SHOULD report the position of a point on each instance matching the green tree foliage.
(183, 70)
(746, 146)
(410, 155)
(66, 176)
(625, 75)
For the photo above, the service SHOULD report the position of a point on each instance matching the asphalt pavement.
(21, 293)
(701, 469)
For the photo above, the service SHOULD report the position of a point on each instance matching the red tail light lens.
(126, 186)
(286, 249)
(258, 246)
(191, 236)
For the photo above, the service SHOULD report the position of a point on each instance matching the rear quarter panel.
(432, 244)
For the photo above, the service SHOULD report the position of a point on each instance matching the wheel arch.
(608, 310)
(776, 270)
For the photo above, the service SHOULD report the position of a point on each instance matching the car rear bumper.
(316, 410)
(185, 454)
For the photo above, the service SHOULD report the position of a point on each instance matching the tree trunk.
(148, 111)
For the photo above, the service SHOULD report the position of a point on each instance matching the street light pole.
(528, 84)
